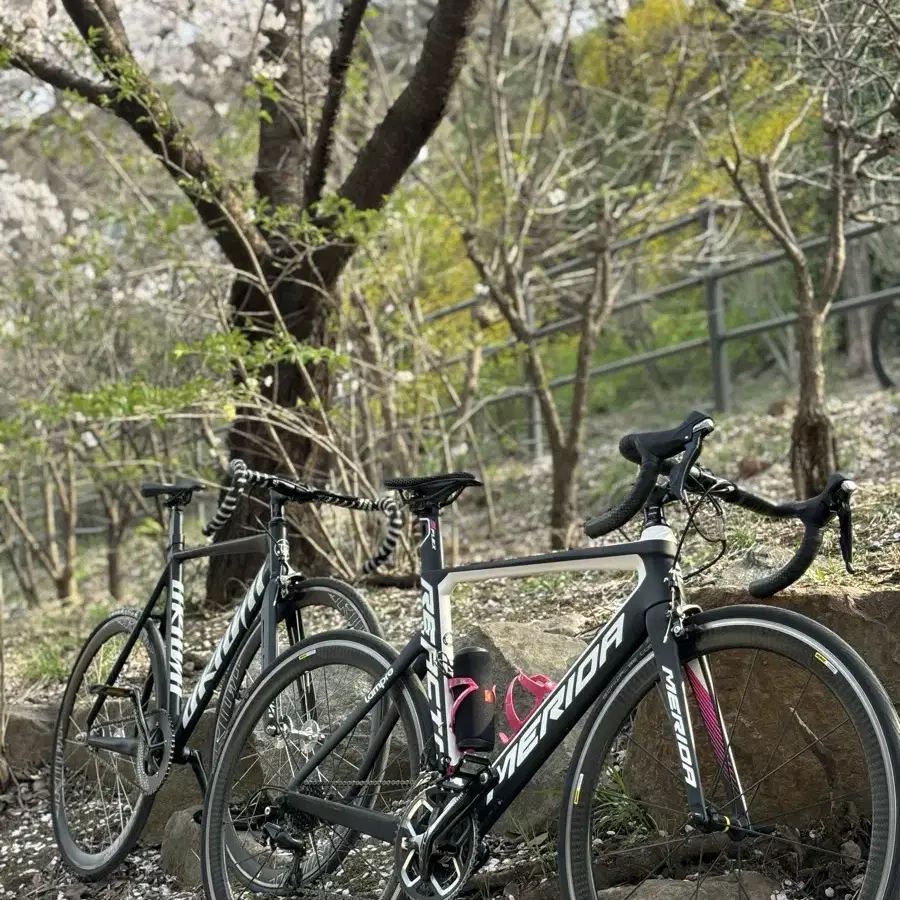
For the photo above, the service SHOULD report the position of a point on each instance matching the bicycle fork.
(675, 678)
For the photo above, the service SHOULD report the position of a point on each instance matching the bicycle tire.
(353, 649)
(308, 593)
(94, 866)
(877, 336)
(744, 627)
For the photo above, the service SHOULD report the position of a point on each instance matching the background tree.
(286, 239)
(828, 93)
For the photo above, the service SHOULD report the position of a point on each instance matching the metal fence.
(717, 338)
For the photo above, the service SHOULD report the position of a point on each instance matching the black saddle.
(180, 492)
(429, 491)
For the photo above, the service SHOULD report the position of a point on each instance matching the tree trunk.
(857, 282)
(66, 589)
(114, 560)
(813, 452)
(562, 507)
(267, 448)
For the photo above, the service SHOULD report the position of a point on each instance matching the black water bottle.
(474, 722)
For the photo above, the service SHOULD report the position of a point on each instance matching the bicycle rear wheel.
(313, 604)
(885, 339)
(252, 840)
(814, 739)
(98, 807)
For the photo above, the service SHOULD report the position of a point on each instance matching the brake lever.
(681, 470)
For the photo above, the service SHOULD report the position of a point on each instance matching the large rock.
(180, 851)
(29, 735)
(782, 713)
(514, 646)
(749, 886)
(180, 790)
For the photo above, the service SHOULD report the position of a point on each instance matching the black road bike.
(123, 719)
(746, 748)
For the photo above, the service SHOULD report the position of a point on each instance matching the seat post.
(431, 550)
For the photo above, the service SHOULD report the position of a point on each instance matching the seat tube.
(175, 614)
(437, 635)
(278, 561)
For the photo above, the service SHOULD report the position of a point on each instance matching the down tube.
(243, 620)
(562, 710)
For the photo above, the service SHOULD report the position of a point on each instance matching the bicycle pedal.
(110, 690)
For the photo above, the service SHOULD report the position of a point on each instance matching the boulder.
(571, 624)
(180, 790)
(772, 717)
(180, 852)
(514, 646)
(29, 735)
(750, 886)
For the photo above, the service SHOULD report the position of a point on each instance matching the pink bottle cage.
(468, 686)
(539, 686)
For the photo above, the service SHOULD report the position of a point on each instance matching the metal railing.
(717, 338)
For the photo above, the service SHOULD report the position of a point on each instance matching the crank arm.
(121, 745)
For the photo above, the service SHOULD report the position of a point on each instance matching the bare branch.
(411, 120)
(351, 22)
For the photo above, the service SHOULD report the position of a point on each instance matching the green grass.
(616, 811)
(47, 662)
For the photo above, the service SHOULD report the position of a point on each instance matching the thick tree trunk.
(266, 448)
(857, 282)
(813, 452)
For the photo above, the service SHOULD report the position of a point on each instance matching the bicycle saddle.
(432, 490)
(179, 489)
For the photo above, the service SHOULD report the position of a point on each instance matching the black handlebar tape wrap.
(394, 512)
(239, 478)
(799, 563)
(624, 512)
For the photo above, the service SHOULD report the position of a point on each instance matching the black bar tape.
(794, 569)
(621, 514)
(389, 544)
(240, 476)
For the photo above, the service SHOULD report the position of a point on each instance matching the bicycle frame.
(261, 599)
(644, 614)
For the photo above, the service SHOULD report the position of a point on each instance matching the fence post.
(715, 317)
(535, 420)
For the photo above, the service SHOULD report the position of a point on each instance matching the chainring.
(153, 761)
(448, 869)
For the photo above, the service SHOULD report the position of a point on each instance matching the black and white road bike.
(747, 750)
(123, 719)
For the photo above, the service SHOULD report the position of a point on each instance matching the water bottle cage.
(539, 686)
(469, 686)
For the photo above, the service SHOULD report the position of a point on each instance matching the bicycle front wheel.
(807, 745)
